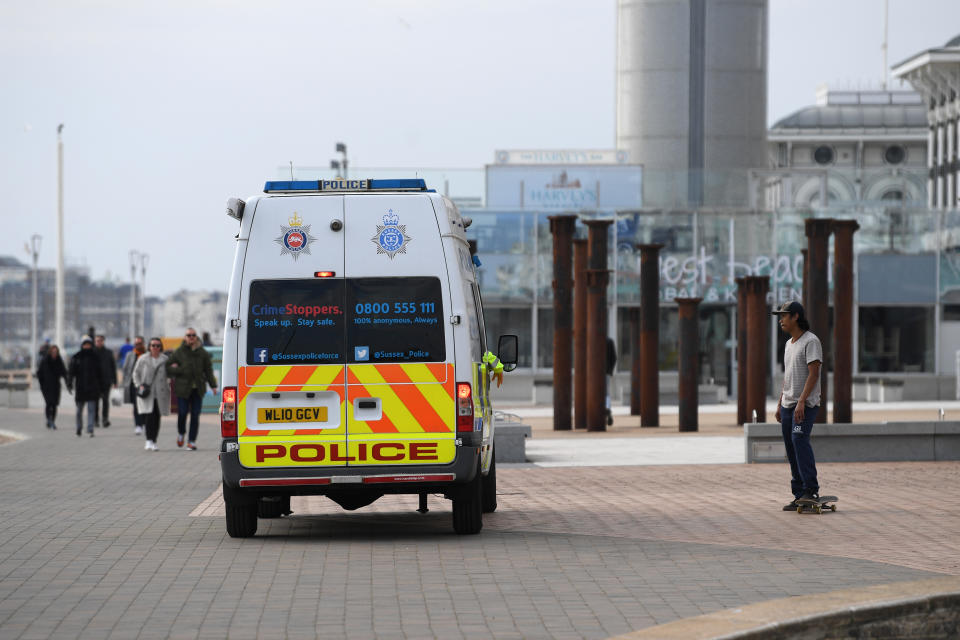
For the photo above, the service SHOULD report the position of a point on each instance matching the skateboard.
(819, 505)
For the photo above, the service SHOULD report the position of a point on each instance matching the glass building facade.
(907, 280)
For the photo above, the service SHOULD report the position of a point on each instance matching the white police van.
(353, 353)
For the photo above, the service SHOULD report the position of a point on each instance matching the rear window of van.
(352, 320)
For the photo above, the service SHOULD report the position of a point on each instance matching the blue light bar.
(342, 185)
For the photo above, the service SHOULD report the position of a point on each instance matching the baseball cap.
(789, 308)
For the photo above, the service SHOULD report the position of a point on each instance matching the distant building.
(103, 305)
(936, 74)
(851, 146)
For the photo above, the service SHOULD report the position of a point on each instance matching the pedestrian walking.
(129, 391)
(108, 380)
(49, 373)
(191, 368)
(611, 368)
(84, 380)
(125, 348)
(799, 400)
(153, 390)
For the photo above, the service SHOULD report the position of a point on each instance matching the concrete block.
(18, 396)
(864, 442)
(510, 441)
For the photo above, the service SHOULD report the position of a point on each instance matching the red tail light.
(228, 413)
(464, 407)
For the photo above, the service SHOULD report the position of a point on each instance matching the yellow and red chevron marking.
(324, 377)
(416, 398)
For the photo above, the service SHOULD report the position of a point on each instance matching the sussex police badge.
(296, 238)
(391, 237)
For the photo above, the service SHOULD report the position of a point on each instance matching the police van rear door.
(291, 378)
(400, 373)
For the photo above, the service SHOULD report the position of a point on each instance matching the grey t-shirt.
(796, 356)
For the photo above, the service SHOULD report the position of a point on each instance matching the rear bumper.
(379, 479)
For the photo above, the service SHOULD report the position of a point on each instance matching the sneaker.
(106, 423)
(180, 440)
(137, 430)
(792, 506)
(146, 445)
(79, 433)
(808, 497)
(91, 434)
(53, 426)
(191, 446)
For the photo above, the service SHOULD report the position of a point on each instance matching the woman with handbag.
(153, 390)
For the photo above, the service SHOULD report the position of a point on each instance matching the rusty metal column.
(635, 361)
(843, 231)
(562, 229)
(806, 278)
(818, 295)
(649, 334)
(757, 323)
(580, 306)
(743, 415)
(597, 279)
(689, 360)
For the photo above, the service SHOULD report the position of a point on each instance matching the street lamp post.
(60, 274)
(134, 257)
(144, 261)
(34, 250)
(342, 149)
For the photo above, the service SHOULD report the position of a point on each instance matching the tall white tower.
(692, 96)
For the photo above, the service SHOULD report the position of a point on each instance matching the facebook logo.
(260, 354)
(361, 354)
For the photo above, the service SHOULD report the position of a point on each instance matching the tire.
(273, 507)
(468, 506)
(490, 488)
(241, 513)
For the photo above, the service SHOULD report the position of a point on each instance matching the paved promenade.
(102, 539)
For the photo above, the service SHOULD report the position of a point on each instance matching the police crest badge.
(296, 238)
(391, 237)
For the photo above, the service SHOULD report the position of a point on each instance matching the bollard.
(843, 231)
(757, 321)
(689, 356)
(818, 234)
(562, 228)
(597, 279)
(742, 346)
(649, 335)
(580, 306)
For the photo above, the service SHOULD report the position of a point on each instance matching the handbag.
(144, 390)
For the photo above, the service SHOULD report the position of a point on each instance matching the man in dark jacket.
(85, 382)
(108, 380)
(191, 368)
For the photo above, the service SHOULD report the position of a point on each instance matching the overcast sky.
(172, 107)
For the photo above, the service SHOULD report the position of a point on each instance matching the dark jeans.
(105, 412)
(191, 405)
(50, 410)
(152, 422)
(91, 406)
(796, 439)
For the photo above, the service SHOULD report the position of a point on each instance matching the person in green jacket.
(191, 368)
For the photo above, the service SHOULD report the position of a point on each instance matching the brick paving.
(101, 539)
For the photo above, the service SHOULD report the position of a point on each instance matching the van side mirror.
(507, 349)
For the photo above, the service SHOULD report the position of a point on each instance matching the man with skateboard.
(799, 401)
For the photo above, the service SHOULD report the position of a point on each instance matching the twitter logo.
(361, 354)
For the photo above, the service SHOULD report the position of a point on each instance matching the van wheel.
(241, 512)
(468, 506)
(273, 507)
(490, 488)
